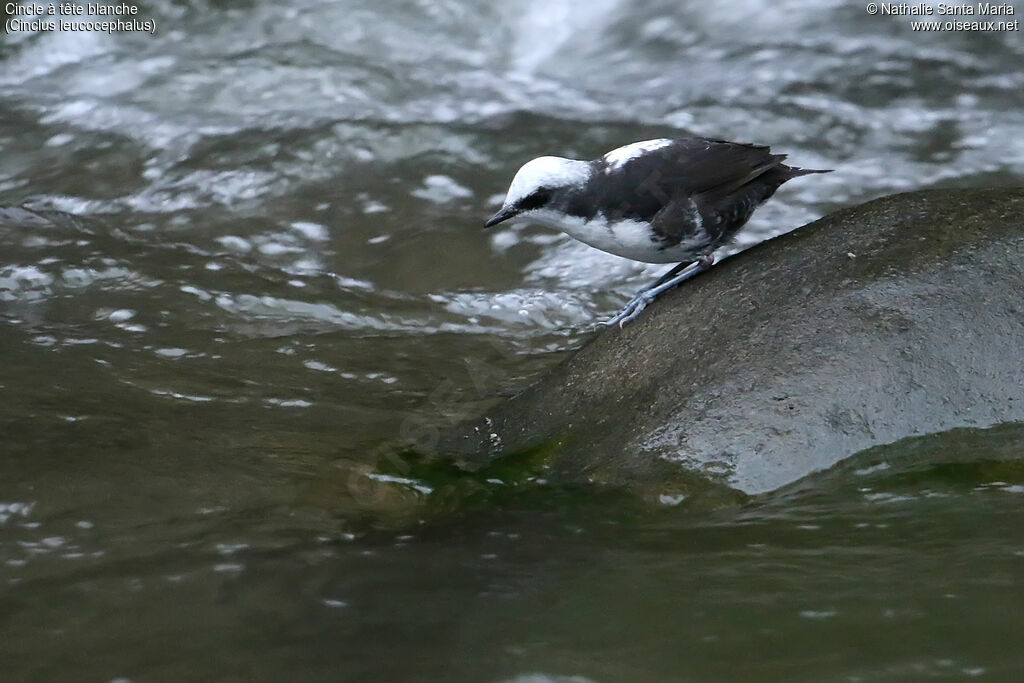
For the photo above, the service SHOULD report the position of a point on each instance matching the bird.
(667, 200)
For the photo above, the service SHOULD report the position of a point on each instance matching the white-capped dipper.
(657, 201)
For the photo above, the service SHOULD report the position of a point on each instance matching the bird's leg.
(666, 276)
(677, 275)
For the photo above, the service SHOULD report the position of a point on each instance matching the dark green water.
(255, 264)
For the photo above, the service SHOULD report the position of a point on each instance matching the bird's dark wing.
(702, 165)
(682, 220)
(688, 167)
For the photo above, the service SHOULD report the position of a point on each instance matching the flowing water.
(245, 258)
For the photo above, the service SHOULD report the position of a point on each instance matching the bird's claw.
(630, 311)
(671, 279)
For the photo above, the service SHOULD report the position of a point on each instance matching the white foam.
(277, 248)
(373, 206)
(441, 189)
(171, 352)
(24, 282)
(121, 315)
(235, 243)
(60, 140)
(311, 231)
(543, 28)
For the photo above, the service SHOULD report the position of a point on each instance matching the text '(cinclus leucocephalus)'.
(657, 201)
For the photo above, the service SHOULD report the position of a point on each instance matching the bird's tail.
(794, 172)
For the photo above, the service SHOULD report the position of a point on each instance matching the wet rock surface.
(903, 316)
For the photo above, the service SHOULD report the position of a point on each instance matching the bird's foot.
(673, 278)
(631, 310)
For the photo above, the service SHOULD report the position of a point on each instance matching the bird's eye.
(535, 199)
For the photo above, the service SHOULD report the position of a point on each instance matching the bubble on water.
(317, 365)
(336, 604)
(289, 403)
(231, 548)
(441, 189)
(121, 315)
(201, 294)
(547, 678)
(373, 206)
(24, 282)
(17, 509)
(277, 248)
(171, 352)
(60, 140)
(818, 614)
(353, 283)
(311, 231)
(235, 243)
(194, 398)
(504, 240)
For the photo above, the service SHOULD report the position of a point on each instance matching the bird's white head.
(537, 182)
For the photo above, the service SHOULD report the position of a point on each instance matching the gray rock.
(903, 316)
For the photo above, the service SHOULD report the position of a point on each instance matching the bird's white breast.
(627, 238)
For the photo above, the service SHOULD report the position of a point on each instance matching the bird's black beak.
(502, 215)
